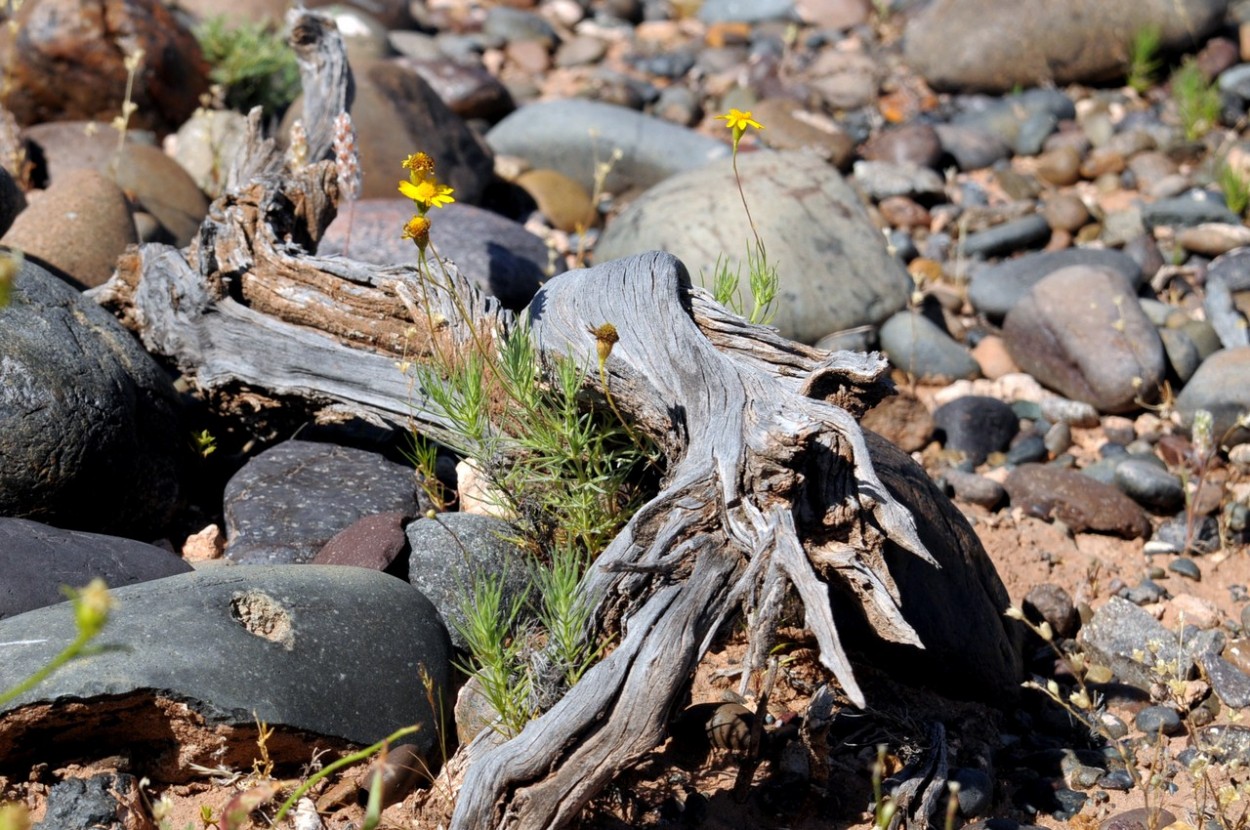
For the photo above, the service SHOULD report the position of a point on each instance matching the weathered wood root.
(766, 489)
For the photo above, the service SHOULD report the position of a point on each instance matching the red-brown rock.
(65, 59)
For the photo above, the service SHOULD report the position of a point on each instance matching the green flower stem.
(68, 653)
(346, 760)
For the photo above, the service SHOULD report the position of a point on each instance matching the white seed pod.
(305, 816)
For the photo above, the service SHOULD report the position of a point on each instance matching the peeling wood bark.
(770, 484)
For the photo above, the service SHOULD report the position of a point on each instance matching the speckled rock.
(1103, 351)
(285, 504)
(78, 226)
(458, 553)
(1077, 500)
(834, 268)
(376, 542)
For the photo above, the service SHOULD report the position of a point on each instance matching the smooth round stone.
(976, 426)
(497, 255)
(91, 435)
(565, 203)
(976, 791)
(1154, 720)
(1187, 211)
(984, 45)
(12, 200)
(975, 489)
(914, 143)
(78, 226)
(792, 126)
(1233, 267)
(1053, 604)
(1075, 413)
(679, 105)
(1149, 485)
(883, 179)
(843, 80)
(1058, 439)
(972, 148)
(1213, 238)
(328, 650)
(1182, 352)
(1015, 235)
(1033, 112)
(1103, 351)
(919, 347)
(1236, 79)
(1186, 567)
(995, 289)
(746, 11)
(903, 420)
(572, 136)
(1061, 166)
(834, 269)
(903, 212)
(468, 89)
(1065, 212)
(1219, 386)
(38, 560)
(206, 144)
(512, 25)
(1028, 449)
(1202, 537)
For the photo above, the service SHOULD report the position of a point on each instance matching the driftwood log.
(770, 487)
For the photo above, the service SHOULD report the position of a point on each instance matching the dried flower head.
(346, 157)
(420, 164)
(297, 146)
(605, 338)
(418, 230)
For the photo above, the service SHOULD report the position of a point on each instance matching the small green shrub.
(1143, 58)
(252, 63)
(1197, 100)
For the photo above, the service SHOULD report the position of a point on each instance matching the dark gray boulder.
(36, 560)
(90, 434)
(332, 651)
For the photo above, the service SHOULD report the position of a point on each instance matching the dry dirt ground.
(674, 787)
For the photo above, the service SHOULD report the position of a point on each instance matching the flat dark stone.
(327, 650)
(37, 560)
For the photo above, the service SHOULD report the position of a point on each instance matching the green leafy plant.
(1235, 188)
(568, 472)
(1143, 58)
(252, 62)
(1197, 100)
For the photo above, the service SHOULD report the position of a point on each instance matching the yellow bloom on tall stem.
(739, 122)
(418, 230)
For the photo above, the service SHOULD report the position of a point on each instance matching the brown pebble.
(902, 212)
(1065, 212)
(1060, 166)
(1101, 161)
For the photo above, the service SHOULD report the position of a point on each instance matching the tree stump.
(770, 486)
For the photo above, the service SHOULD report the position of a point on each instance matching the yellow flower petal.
(738, 120)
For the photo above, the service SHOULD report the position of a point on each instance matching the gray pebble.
(1186, 567)
(975, 489)
(1058, 439)
(1018, 234)
(1158, 719)
(976, 791)
(1028, 449)
(1149, 485)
